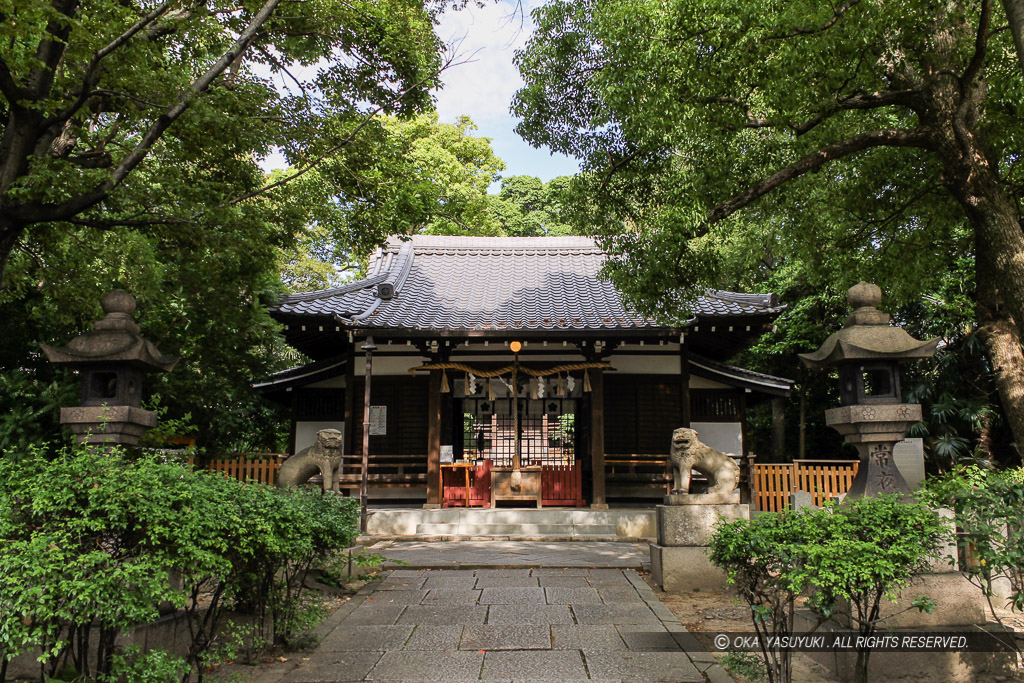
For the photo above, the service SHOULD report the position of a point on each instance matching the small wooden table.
(465, 467)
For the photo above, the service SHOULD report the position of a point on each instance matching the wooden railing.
(657, 470)
(774, 483)
(261, 467)
(384, 470)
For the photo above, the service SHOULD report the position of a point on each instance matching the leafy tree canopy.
(751, 145)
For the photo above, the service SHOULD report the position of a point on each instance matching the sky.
(483, 87)
(480, 85)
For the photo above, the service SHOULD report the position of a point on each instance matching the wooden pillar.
(684, 385)
(350, 403)
(434, 441)
(597, 436)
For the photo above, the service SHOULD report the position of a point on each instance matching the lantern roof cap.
(867, 335)
(114, 339)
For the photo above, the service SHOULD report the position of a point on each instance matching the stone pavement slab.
(340, 666)
(503, 624)
(427, 665)
(506, 637)
(572, 596)
(643, 667)
(364, 638)
(556, 665)
(450, 596)
(580, 637)
(435, 637)
(529, 614)
(512, 596)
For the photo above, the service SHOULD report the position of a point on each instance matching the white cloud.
(483, 88)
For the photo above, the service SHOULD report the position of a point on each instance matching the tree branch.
(824, 27)
(334, 148)
(91, 70)
(39, 213)
(827, 109)
(818, 158)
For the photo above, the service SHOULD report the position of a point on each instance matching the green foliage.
(155, 666)
(745, 664)
(764, 559)
(529, 207)
(849, 557)
(96, 192)
(791, 148)
(987, 505)
(404, 176)
(91, 541)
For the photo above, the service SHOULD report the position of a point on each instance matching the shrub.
(987, 505)
(90, 541)
(866, 551)
(764, 560)
(854, 555)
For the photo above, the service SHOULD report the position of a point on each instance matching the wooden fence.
(774, 483)
(261, 467)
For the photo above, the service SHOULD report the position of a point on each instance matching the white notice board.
(378, 420)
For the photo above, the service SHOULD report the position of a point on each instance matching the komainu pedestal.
(679, 560)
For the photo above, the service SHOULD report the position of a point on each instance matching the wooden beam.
(597, 436)
(434, 440)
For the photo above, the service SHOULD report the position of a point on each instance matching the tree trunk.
(1015, 15)
(1002, 341)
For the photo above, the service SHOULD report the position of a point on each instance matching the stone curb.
(703, 660)
(322, 630)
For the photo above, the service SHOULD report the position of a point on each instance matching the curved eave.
(740, 377)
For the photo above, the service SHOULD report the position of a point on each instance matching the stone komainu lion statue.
(324, 457)
(689, 453)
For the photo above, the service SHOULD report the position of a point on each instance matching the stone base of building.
(685, 569)
(949, 667)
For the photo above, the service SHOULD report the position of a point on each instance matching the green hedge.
(92, 538)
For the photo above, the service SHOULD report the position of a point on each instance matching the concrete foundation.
(685, 569)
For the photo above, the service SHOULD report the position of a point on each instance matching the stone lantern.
(867, 353)
(111, 360)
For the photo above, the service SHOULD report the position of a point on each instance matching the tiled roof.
(496, 283)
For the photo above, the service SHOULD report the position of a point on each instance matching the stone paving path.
(502, 554)
(521, 624)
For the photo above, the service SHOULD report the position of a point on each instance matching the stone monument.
(679, 560)
(111, 360)
(324, 457)
(867, 353)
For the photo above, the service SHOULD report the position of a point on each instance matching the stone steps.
(626, 523)
(499, 529)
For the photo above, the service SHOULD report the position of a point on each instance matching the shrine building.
(506, 372)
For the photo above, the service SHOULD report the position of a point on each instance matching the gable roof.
(497, 284)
